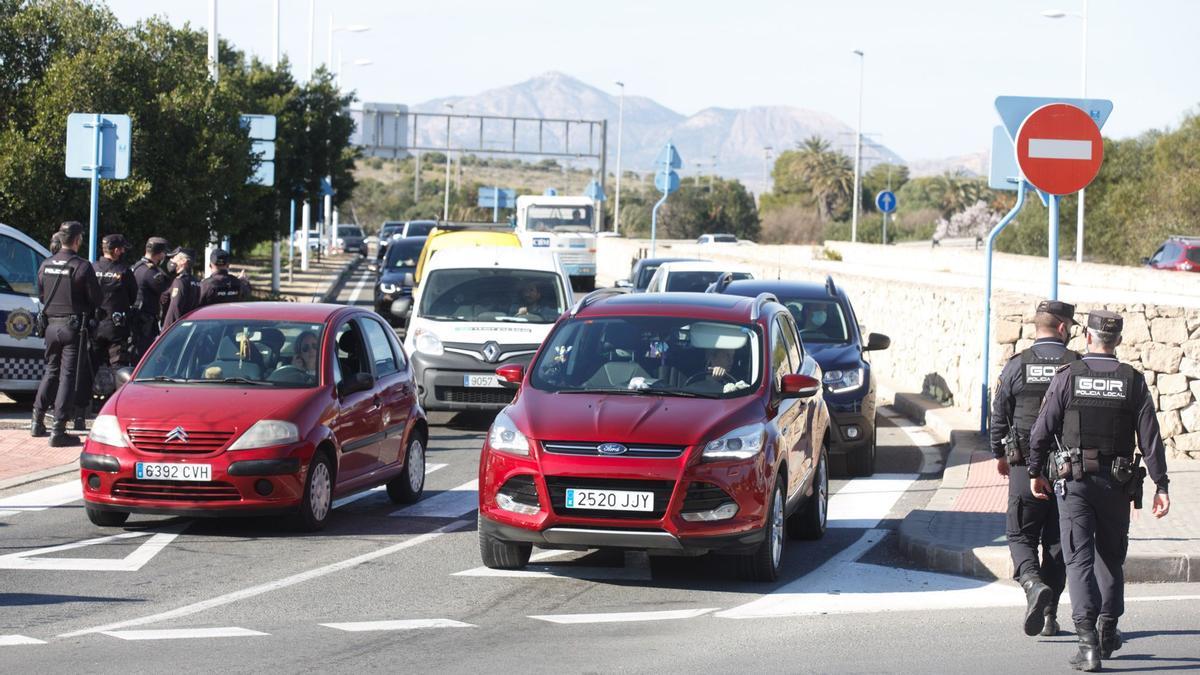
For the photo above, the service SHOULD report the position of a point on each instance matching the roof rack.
(830, 288)
(760, 300)
(596, 295)
(720, 284)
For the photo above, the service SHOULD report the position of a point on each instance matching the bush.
(792, 224)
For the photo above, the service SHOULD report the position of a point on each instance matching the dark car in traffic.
(830, 331)
(396, 276)
(643, 271)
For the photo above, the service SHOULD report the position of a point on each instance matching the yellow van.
(443, 239)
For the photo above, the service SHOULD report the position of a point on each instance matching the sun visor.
(717, 336)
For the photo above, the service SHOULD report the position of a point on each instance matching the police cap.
(1105, 321)
(71, 229)
(156, 245)
(219, 256)
(188, 253)
(1060, 310)
(114, 241)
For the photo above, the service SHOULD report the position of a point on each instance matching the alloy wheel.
(416, 465)
(320, 491)
(777, 527)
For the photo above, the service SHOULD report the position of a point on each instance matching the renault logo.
(177, 434)
(612, 449)
(490, 351)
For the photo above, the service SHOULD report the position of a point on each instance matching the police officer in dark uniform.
(1032, 521)
(221, 286)
(1102, 408)
(69, 294)
(152, 282)
(110, 341)
(184, 295)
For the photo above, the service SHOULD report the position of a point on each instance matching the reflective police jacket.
(118, 289)
(67, 285)
(1021, 388)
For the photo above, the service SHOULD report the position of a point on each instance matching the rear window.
(698, 282)
(349, 231)
(420, 229)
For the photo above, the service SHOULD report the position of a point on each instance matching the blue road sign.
(1003, 172)
(115, 136)
(492, 197)
(885, 201)
(595, 191)
(326, 188)
(1014, 109)
(666, 181)
(669, 156)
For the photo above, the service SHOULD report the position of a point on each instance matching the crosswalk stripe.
(350, 499)
(624, 617)
(14, 640)
(399, 624)
(42, 499)
(449, 504)
(183, 633)
(863, 502)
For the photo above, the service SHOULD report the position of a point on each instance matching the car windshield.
(404, 252)
(650, 355)
(524, 296)
(420, 228)
(559, 218)
(697, 281)
(344, 231)
(389, 229)
(240, 353)
(819, 321)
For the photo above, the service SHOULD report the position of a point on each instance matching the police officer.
(184, 295)
(110, 342)
(69, 295)
(152, 282)
(221, 286)
(1032, 521)
(1101, 407)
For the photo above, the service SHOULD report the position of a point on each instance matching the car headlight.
(504, 436)
(427, 342)
(741, 443)
(387, 288)
(106, 430)
(266, 433)
(838, 381)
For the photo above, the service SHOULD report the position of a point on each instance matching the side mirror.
(511, 375)
(359, 382)
(123, 375)
(877, 342)
(1145, 261)
(400, 307)
(623, 283)
(799, 386)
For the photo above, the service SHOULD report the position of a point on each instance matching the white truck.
(564, 225)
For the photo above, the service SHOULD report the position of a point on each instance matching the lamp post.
(353, 28)
(858, 149)
(766, 159)
(712, 173)
(446, 205)
(341, 64)
(620, 122)
(1059, 14)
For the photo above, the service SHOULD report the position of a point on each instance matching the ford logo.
(612, 449)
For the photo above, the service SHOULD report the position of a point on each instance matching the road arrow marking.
(35, 560)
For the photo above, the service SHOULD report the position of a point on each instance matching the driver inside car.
(530, 301)
(306, 352)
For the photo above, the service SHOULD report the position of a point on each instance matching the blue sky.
(933, 67)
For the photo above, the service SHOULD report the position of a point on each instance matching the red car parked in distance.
(1177, 253)
(678, 424)
(257, 409)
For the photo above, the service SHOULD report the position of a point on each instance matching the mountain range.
(732, 139)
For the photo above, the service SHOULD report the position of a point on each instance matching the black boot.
(1037, 597)
(1088, 657)
(1050, 628)
(80, 423)
(1110, 640)
(59, 438)
(37, 428)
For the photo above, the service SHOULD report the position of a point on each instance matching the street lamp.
(353, 28)
(1060, 14)
(446, 206)
(620, 121)
(858, 149)
(341, 64)
(766, 158)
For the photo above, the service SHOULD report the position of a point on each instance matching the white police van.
(21, 353)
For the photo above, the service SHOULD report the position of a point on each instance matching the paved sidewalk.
(962, 530)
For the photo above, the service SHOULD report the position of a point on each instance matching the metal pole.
(275, 263)
(603, 173)
(446, 204)
(496, 204)
(329, 45)
(312, 37)
(654, 224)
(327, 221)
(1053, 247)
(212, 40)
(858, 149)
(275, 43)
(97, 155)
(620, 125)
(292, 242)
(885, 217)
(305, 223)
(1083, 94)
(987, 307)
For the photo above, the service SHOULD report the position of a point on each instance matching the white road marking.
(449, 504)
(636, 567)
(358, 289)
(624, 617)
(43, 498)
(183, 633)
(931, 458)
(402, 624)
(35, 559)
(14, 640)
(429, 468)
(253, 591)
(1059, 148)
(863, 502)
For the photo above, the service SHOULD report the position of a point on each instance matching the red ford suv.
(678, 424)
(1177, 253)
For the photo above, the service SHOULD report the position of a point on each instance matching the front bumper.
(441, 384)
(657, 541)
(851, 410)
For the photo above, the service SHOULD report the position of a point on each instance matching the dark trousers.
(108, 347)
(1094, 519)
(57, 390)
(143, 337)
(1033, 522)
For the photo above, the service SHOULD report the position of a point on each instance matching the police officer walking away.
(1032, 521)
(184, 295)
(110, 343)
(1101, 408)
(69, 294)
(152, 282)
(221, 286)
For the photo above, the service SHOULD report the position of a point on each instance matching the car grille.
(154, 439)
(168, 490)
(558, 485)
(704, 497)
(641, 450)
(475, 395)
(521, 490)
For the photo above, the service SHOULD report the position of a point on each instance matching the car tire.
(317, 502)
(104, 518)
(498, 554)
(408, 486)
(809, 522)
(862, 462)
(764, 563)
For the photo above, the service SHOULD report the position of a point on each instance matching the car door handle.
(376, 403)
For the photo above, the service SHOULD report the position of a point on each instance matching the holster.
(1075, 456)
(1138, 478)
(1012, 451)
(1062, 463)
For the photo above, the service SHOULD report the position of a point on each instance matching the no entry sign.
(1059, 149)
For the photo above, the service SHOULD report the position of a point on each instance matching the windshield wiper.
(677, 392)
(641, 391)
(439, 317)
(512, 319)
(232, 380)
(162, 378)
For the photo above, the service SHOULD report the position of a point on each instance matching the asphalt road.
(389, 589)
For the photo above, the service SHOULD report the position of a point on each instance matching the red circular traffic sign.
(1059, 149)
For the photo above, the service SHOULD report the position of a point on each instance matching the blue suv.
(829, 330)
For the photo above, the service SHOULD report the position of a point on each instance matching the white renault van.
(477, 309)
(21, 353)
